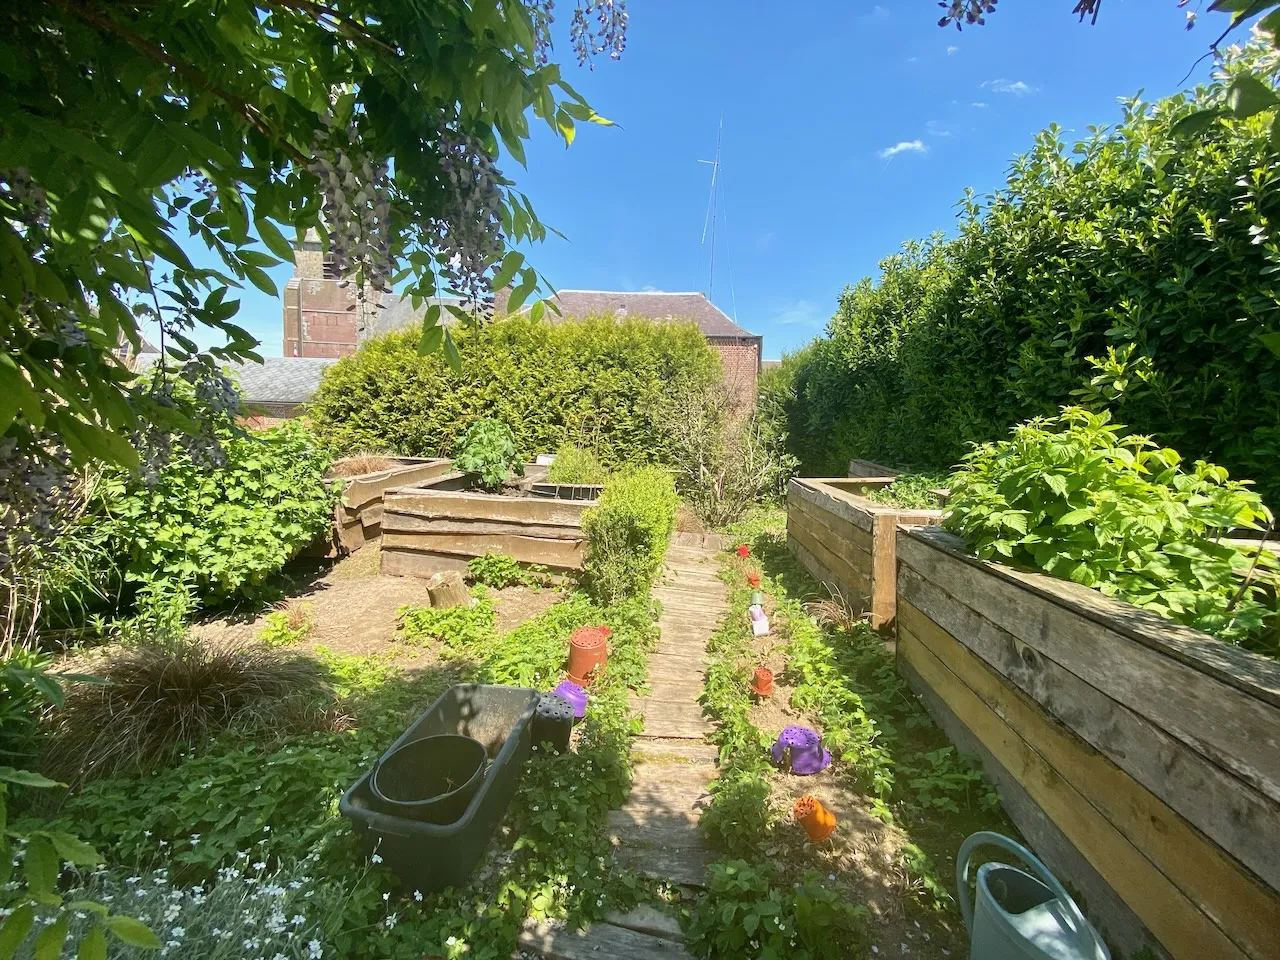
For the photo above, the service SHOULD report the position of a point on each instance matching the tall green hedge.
(593, 383)
(1132, 236)
(627, 533)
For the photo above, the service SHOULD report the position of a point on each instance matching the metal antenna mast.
(711, 209)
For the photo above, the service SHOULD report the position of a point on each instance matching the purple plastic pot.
(576, 696)
(805, 746)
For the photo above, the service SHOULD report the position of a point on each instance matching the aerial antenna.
(710, 218)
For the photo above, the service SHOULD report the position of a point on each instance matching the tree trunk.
(447, 590)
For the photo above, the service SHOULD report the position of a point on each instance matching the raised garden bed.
(358, 515)
(439, 525)
(869, 468)
(1141, 758)
(848, 542)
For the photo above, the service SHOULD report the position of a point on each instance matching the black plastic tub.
(432, 779)
(429, 856)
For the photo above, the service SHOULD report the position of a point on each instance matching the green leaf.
(512, 262)
(259, 278)
(74, 850)
(27, 778)
(273, 239)
(1248, 95)
(94, 945)
(40, 865)
(528, 282)
(133, 932)
(49, 942)
(1271, 340)
(15, 929)
(451, 353)
(1196, 123)
(1075, 517)
(564, 123)
(432, 331)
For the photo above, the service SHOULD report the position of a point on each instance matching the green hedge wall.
(589, 382)
(1132, 236)
(627, 534)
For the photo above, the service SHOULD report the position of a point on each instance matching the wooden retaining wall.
(358, 515)
(869, 468)
(1140, 758)
(847, 541)
(427, 531)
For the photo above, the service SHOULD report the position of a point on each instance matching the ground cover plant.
(1077, 497)
(589, 382)
(891, 767)
(1161, 246)
(911, 491)
(627, 534)
(498, 570)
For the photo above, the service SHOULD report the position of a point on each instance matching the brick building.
(322, 318)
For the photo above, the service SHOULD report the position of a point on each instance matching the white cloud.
(879, 13)
(903, 146)
(952, 50)
(979, 104)
(1016, 87)
(913, 59)
(935, 129)
(801, 313)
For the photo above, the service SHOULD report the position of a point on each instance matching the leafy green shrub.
(225, 530)
(159, 699)
(746, 913)
(498, 570)
(575, 464)
(488, 448)
(1073, 497)
(627, 534)
(1133, 236)
(911, 491)
(590, 382)
(455, 627)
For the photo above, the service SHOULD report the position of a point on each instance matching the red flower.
(744, 550)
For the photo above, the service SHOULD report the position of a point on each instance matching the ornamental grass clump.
(157, 699)
(1074, 496)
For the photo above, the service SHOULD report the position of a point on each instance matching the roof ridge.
(639, 293)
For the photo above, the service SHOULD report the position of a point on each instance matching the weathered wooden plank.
(884, 575)
(684, 865)
(1240, 819)
(682, 721)
(457, 504)
(360, 490)
(417, 563)
(817, 569)
(824, 515)
(603, 941)
(1254, 674)
(686, 688)
(817, 497)
(854, 583)
(409, 523)
(656, 751)
(869, 468)
(1238, 904)
(1180, 926)
(1229, 727)
(565, 554)
(647, 919)
(841, 538)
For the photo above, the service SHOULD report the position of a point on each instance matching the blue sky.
(848, 129)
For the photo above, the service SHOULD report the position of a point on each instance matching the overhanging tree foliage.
(125, 124)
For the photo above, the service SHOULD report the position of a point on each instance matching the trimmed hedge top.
(592, 382)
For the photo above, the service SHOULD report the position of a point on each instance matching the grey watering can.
(1016, 916)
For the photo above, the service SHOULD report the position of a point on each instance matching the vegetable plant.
(1075, 496)
(911, 491)
(488, 448)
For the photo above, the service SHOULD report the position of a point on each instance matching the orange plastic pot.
(818, 822)
(762, 683)
(588, 654)
(753, 580)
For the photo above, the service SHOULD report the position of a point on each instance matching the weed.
(497, 570)
(291, 622)
(910, 491)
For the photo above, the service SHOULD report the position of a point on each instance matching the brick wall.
(740, 358)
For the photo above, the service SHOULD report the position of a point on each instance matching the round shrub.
(592, 382)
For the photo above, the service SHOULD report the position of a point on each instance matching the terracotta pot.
(753, 580)
(818, 822)
(588, 654)
(762, 683)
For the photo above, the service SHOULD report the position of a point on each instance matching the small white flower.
(146, 833)
(266, 829)
(314, 949)
(259, 865)
(376, 859)
(390, 922)
(178, 932)
(386, 896)
(451, 942)
(132, 880)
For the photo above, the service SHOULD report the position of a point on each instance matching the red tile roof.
(711, 320)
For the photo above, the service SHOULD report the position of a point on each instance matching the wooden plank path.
(656, 831)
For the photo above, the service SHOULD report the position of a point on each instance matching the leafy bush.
(575, 464)
(227, 529)
(488, 448)
(725, 462)
(498, 570)
(1133, 236)
(158, 699)
(746, 914)
(911, 491)
(627, 534)
(590, 382)
(1073, 497)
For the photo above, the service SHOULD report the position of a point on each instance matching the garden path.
(656, 831)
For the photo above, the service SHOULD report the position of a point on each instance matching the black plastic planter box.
(427, 856)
